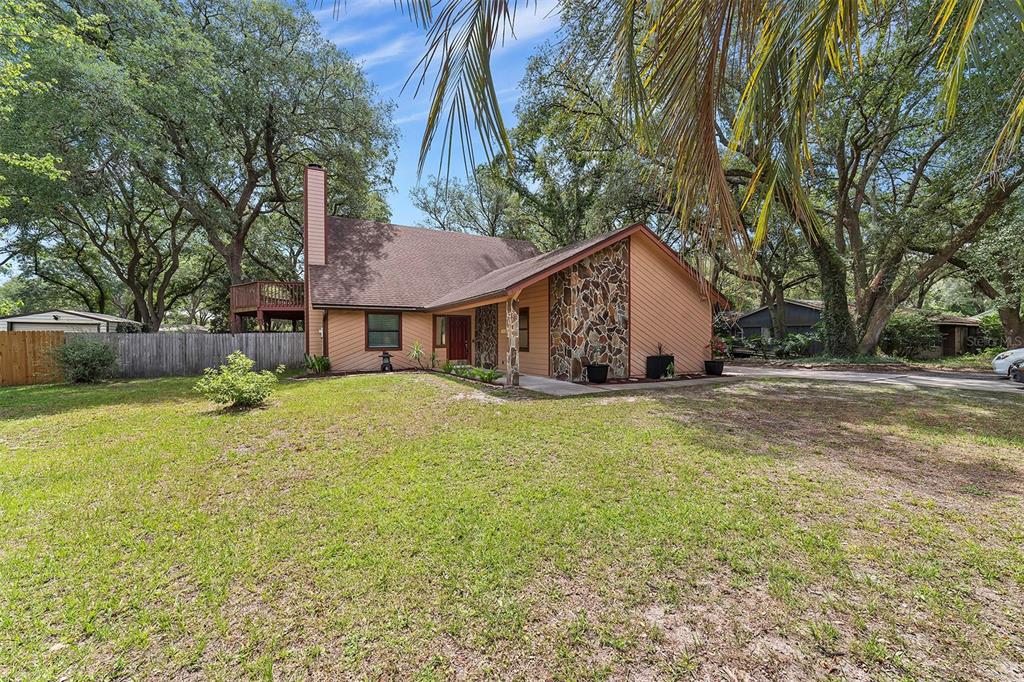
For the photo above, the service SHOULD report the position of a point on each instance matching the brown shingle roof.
(499, 280)
(379, 265)
(373, 264)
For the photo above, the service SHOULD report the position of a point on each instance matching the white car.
(1001, 363)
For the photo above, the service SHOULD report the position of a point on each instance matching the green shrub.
(318, 364)
(84, 362)
(908, 334)
(235, 383)
(486, 375)
(796, 345)
(992, 330)
(416, 354)
(469, 372)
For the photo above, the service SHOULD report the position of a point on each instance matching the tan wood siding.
(316, 216)
(666, 307)
(314, 325)
(346, 339)
(534, 361)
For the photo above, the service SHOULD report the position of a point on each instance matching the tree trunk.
(874, 327)
(837, 324)
(1013, 326)
(233, 258)
(778, 310)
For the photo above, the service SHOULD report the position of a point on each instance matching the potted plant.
(597, 373)
(716, 364)
(657, 364)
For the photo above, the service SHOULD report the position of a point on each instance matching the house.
(958, 333)
(800, 316)
(373, 288)
(65, 321)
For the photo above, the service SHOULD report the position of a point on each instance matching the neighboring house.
(64, 321)
(374, 288)
(800, 316)
(959, 335)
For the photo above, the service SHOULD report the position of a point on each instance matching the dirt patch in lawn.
(923, 449)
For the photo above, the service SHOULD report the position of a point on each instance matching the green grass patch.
(411, 525)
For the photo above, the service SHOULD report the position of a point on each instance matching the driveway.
(972, 381)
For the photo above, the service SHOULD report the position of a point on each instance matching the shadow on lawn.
(927, 444)
(25, 402)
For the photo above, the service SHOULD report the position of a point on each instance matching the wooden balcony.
(268, 296)
(267, 301)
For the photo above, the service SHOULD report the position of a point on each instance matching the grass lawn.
(409, 525)
(981, 362)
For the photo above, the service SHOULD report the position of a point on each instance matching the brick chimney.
(314, 241)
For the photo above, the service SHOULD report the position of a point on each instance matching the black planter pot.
(597, 373)
(714, 367)
(657, 364)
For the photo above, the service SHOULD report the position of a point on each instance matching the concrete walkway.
(556, 387)
(941, 380)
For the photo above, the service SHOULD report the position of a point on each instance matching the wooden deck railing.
(268, 296)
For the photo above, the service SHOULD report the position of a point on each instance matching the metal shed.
(64, 321)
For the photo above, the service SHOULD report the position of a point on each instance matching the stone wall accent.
(485, 343)
(589, 314)
(512, 331)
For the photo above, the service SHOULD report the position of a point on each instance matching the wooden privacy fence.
(25, 356)
(165, 355)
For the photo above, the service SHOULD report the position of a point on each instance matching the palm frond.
(461, 36)
(955, 25)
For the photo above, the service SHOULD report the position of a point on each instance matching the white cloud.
(343, 37)
(412, 118)
(401, 47)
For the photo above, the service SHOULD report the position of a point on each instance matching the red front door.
(458, 339)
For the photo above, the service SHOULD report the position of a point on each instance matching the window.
(524, 329)
(383, 331)
(440, 331)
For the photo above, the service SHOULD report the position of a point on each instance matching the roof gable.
(816, 306)
(521, 275)
(59, 316)
(376, 265)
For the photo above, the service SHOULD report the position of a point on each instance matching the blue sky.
(388, 45)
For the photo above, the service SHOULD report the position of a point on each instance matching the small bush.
(992, 333)
(318, 364)
(85, 362)
(416, 354)
(235, 383)
(908, 334)
(796, 345)
(486, 375)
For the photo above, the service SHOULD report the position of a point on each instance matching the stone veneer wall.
(485, 345)
(589, 314)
